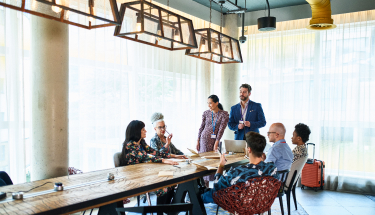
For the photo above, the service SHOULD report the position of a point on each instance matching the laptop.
(237, 146)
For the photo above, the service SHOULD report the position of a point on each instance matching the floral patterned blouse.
(143, 153)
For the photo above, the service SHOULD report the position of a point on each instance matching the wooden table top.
(129, 181)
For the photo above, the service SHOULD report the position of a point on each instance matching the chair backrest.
(296, 170)
(253, 197)
(116, 159)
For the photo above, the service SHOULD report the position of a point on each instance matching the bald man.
(280, 153)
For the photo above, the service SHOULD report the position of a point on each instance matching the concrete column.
(50, 88)
(230, 74)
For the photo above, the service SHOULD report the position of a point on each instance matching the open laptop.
(235, 145)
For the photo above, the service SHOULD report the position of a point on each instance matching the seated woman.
(135, 151)
(159, 142)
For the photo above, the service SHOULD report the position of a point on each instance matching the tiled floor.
(332, 203)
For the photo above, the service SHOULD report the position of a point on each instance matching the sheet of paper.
(165, 173)
(178, 160)
(204, 167)
(192, 151)
(212, 157)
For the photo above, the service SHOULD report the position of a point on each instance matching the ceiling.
(254, 5)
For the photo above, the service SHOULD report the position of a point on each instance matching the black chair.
(169, 209)
(283, 174)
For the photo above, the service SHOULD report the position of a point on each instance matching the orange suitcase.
(313, 173)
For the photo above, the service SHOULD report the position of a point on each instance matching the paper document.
(204, 167)
(195, 154)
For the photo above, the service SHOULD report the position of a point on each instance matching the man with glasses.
(280, 153)
(246, 116)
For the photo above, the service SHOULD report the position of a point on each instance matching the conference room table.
(94, 190)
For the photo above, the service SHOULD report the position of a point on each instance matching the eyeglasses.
(268, 133)
(162, 127)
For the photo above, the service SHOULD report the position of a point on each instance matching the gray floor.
(331, 202)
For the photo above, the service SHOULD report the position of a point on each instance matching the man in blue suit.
(246, 116)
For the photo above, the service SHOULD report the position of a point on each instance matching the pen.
(176, 166)
(167, 132)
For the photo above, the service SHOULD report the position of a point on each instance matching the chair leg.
(217, 210)
(281, 205)
(294, 196)
(288, 201)
(138, 200)
(269, 211)
(148, 199)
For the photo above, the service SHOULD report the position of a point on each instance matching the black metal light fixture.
(215, 46)
(267, 23)
(82, 13)
(150, 24)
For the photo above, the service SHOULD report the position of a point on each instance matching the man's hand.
(247, 123)
(223, 161)
(241, 126)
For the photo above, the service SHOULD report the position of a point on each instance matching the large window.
(324, 79)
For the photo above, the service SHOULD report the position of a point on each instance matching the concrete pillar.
(50, 88)
(230, 74)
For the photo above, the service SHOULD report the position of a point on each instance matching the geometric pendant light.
(215, 46)
(150, 24)
(87, 14)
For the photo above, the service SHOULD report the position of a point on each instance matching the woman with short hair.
(160, 142)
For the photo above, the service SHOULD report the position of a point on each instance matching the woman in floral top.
(135, 151)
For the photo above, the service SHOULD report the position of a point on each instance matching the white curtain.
(324, 79)
(15, 114)
(114, 81)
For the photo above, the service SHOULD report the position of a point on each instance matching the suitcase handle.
(313, 150)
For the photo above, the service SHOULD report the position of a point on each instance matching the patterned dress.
(158, 145)
(204, 136)
(143, 153)
(299, 152)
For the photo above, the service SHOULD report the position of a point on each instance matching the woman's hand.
(180, 156)
(216, 146)
(170, 162)
(198, 146)
(169, 139)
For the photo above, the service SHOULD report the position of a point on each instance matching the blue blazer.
(254, 115)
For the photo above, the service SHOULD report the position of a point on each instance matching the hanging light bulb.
(139, 23)
(176, 35)
(216, 48)
(67, 13)
(203, 46)
(159, 33)
(57, 9)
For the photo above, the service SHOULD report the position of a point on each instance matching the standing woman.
(214, 122)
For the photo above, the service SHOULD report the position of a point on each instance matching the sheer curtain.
(324, 79)
(15, 114)
(114, 81)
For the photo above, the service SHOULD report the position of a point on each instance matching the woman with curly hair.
(300, 137)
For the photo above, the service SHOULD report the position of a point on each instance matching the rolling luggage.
(313, 172)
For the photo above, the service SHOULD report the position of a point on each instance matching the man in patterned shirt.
(300, 137)
(255, 168)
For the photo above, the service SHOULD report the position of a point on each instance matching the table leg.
(111, 208)
(190, 187)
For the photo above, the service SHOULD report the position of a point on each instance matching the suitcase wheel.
(316, 189)
(302, 187)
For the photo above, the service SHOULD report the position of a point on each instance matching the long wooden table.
(129, 181)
